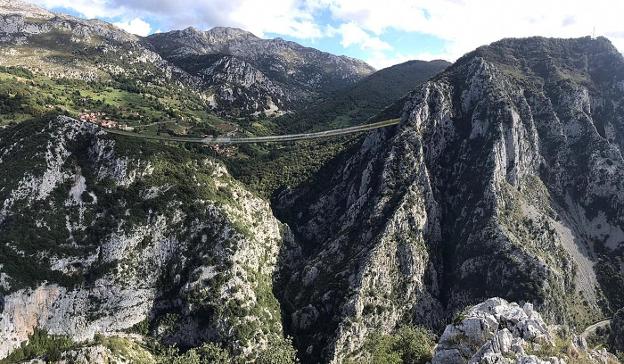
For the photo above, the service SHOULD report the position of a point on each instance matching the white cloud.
(464, 25)
(461, 25)
(352, 34)
(135, 26)
(88, 8)
(287, 17)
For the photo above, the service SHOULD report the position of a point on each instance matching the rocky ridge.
(63, 46)
(99, 235)
(217, 64)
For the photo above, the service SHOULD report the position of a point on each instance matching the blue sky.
(381, 32)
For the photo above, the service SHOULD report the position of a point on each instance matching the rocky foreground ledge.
(497, 331)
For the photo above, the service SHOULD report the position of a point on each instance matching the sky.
(380, 32)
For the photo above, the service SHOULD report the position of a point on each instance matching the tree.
(409, 344)
(214, 354)
(278, 352)
(616, 339)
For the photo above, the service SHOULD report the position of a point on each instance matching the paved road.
(263, 139)
(592, 328)
(155, 123)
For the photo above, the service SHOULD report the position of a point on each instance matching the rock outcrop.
(497, 331)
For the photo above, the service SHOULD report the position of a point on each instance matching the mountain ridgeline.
(375, 97)
(232, 71)
(250, 75)
(490, 220)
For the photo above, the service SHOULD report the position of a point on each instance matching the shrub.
(616, 339)
(40, 345)
(278, 352)
(208, 353)
(409, 344)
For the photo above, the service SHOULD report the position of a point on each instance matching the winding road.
(592, 328)
(262, 139)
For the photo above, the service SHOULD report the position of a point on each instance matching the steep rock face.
(238, 87)
(497, 331)
(99, 234)
(299, 72)
(503, 179)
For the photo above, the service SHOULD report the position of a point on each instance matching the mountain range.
(486, 227)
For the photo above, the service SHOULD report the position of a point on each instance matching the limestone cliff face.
(503, 179)
(238, 86)
(99, 234)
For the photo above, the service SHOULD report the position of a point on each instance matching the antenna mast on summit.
(594, 33)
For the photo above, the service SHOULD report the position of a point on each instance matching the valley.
(217, 197)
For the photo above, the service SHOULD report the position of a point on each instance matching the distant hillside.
(226, 71)
(251, 75)
(266, 168)
(363, 100)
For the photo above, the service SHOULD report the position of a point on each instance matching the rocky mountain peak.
(22, 19)
(213, 36)
(534, 45)
(228, 33)
(504, 170)
(554, 58)
(291, 73)
(19, 7)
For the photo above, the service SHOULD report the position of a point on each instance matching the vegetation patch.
(409, 344)
(40, 345)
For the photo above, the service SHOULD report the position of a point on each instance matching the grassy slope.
(24, 95)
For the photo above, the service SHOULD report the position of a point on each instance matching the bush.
(211, 353)
(616, 339)
(208, 353)
(413, 345)
(40, 345)
(279, 352)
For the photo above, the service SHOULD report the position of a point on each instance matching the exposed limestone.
(497, 331)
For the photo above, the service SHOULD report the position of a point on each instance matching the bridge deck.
(262, 139)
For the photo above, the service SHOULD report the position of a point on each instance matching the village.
(101, 119)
